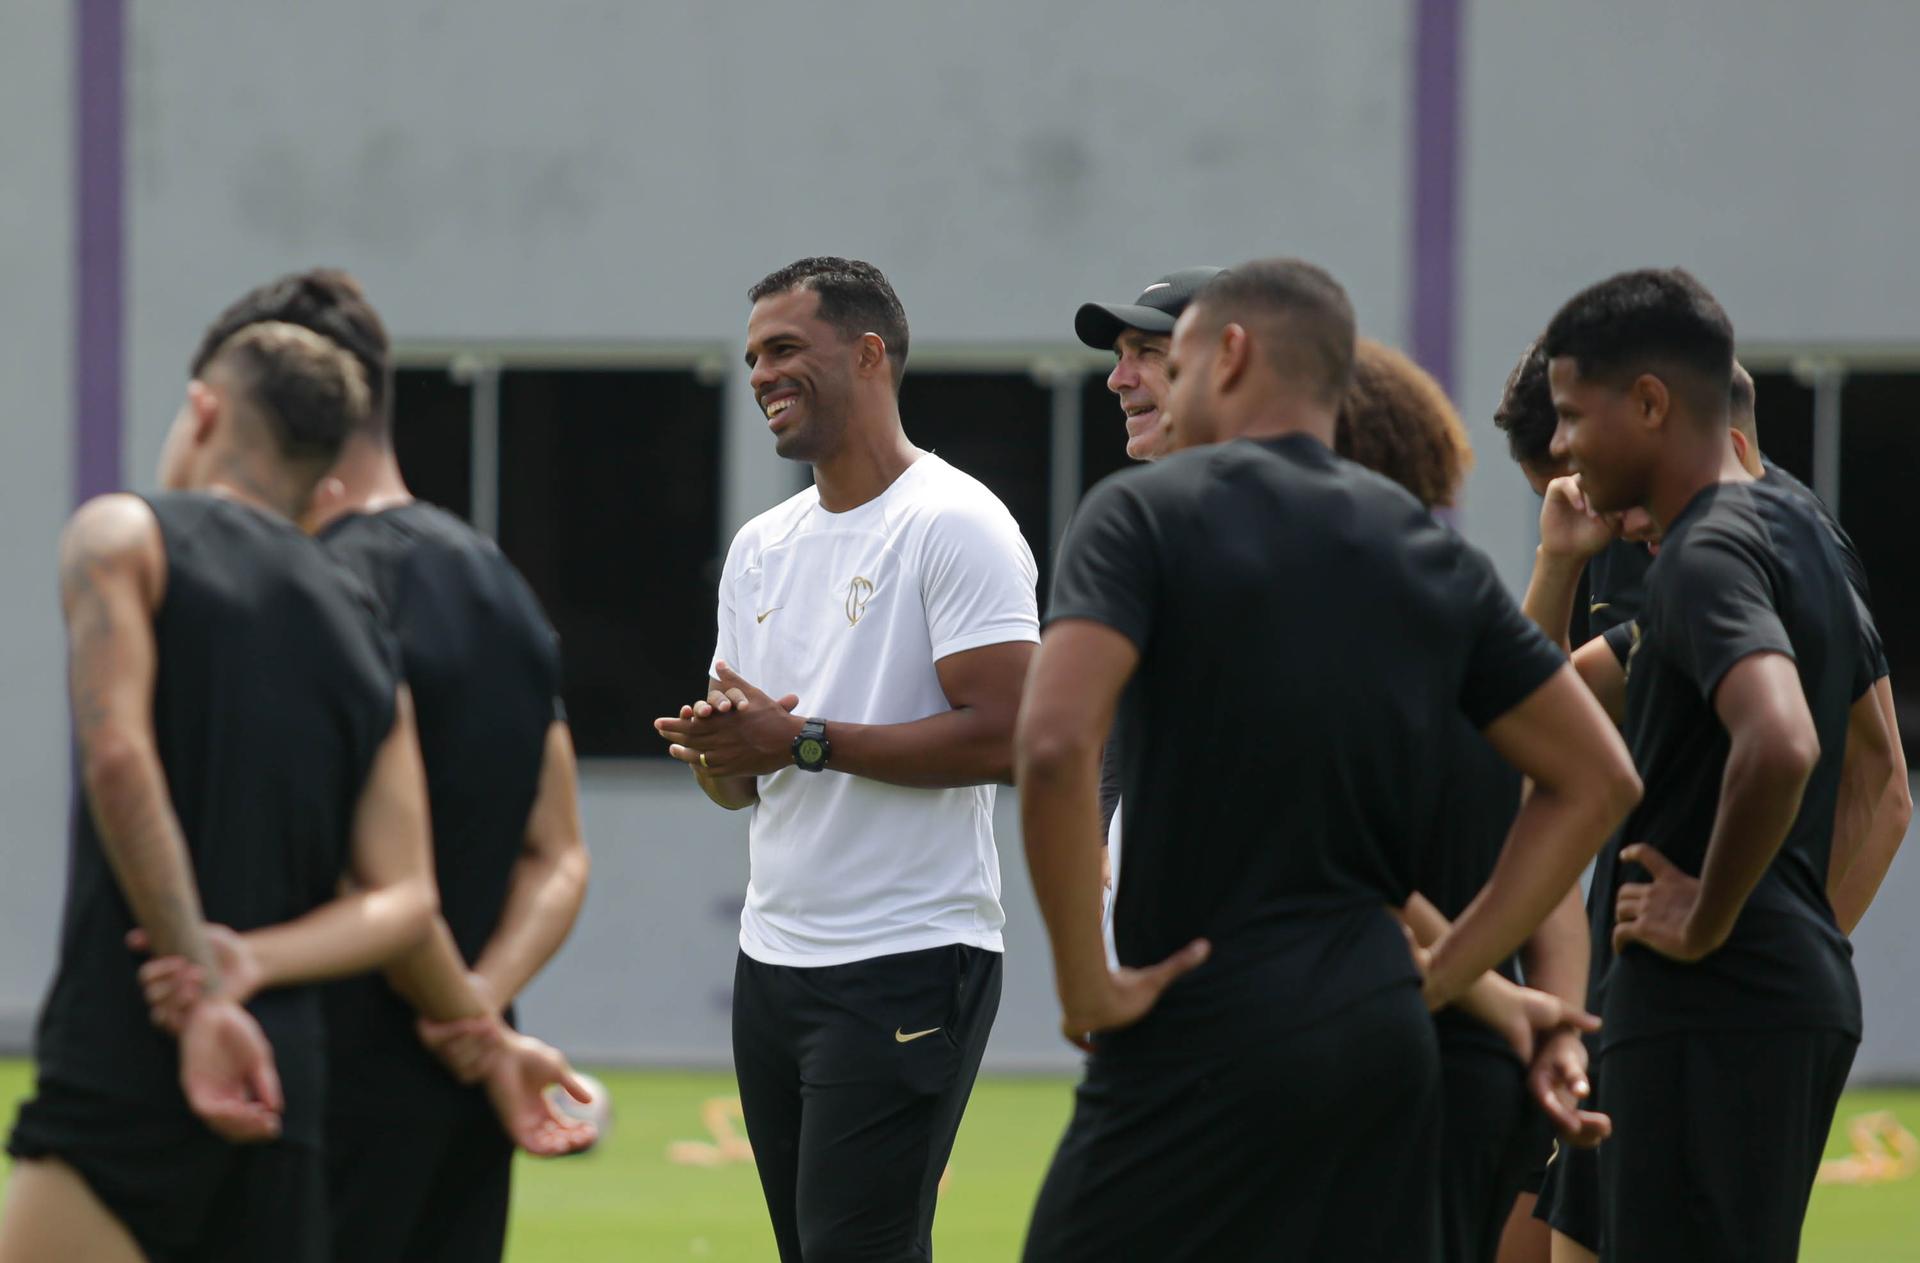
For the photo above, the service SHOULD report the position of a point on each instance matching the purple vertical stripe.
(1436, 183)
(100, 242)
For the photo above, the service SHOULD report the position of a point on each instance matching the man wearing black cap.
(1137, 333)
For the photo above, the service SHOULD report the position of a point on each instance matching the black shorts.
(1246, 1141)
(1717, 1137)
(1486, 1145)
(1540, 1142)
(185, 1195)
(853, 1079)
(1570, 1186)
(426, 1188)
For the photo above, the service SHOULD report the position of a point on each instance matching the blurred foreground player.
(891, 605)
(1139, 334)
(241, 745)
(1732, 1011)
(1397, 421)
(1275, 1083)
(419, 1165)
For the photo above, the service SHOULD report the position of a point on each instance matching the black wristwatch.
(811, 747)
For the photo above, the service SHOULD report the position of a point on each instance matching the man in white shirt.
(890, 610)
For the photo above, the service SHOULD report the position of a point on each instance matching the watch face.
(811, 751)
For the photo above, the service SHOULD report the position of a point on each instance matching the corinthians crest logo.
(859, 592)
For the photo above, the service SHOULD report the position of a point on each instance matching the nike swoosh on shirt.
(1597, 606)
(901, 1038)
(761, 618)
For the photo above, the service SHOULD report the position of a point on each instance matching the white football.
(598, 1111)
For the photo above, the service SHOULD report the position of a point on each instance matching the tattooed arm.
(113, 572)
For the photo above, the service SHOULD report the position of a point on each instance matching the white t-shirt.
(851, 611)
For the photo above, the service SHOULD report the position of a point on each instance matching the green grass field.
(628, 1200)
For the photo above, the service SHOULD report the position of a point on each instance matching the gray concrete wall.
(36, 311)
(606, 171)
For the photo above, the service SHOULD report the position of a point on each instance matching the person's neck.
(250, 482)
(1282, 417)
(1701, 463)
(369, 480)
(874, 451)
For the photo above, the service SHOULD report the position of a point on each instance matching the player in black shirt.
(1732, 1012)
(419, 1165)
(1605, 588)
(1876, 801)
(1274, 1085)
(1397, 421)
(241, 745)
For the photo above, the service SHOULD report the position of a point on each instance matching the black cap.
(1159, 305)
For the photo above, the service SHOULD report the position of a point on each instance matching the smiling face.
(1139, 380)
(802, 374)
(1606, 433)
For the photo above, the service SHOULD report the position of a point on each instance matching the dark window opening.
(433, 437)
(1879, 449)
(1783, 415)
(609, 504)
(997, 427)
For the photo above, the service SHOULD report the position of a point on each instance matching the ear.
(1651, 400)
(205, 402)
(872, 356)
(1236, 352)
(1739, 438)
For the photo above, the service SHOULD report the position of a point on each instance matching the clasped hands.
(227, 1068)
(735, 730)
(1545, 1033)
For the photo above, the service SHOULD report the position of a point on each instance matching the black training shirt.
(1871, 648)
(1479, 798)
(273, 690)
(1746, 568)
(483, 665)
(1872, 651)
(1310, 639)
(1616, 585)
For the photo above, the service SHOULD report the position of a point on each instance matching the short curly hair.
(1653, 320)
(1526, 414)
(1396, 420)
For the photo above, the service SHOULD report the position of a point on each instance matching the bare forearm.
(1551, 591)
(1759, 798)
(433, 979)
(542, 903)
(1855, 891)
(954, 748)
(127, 795)
(1553, 837)
(1557, 956)
(1854, 878)
(355, 933)
(1485, 999)
(1060, 822)
(1864, 785)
